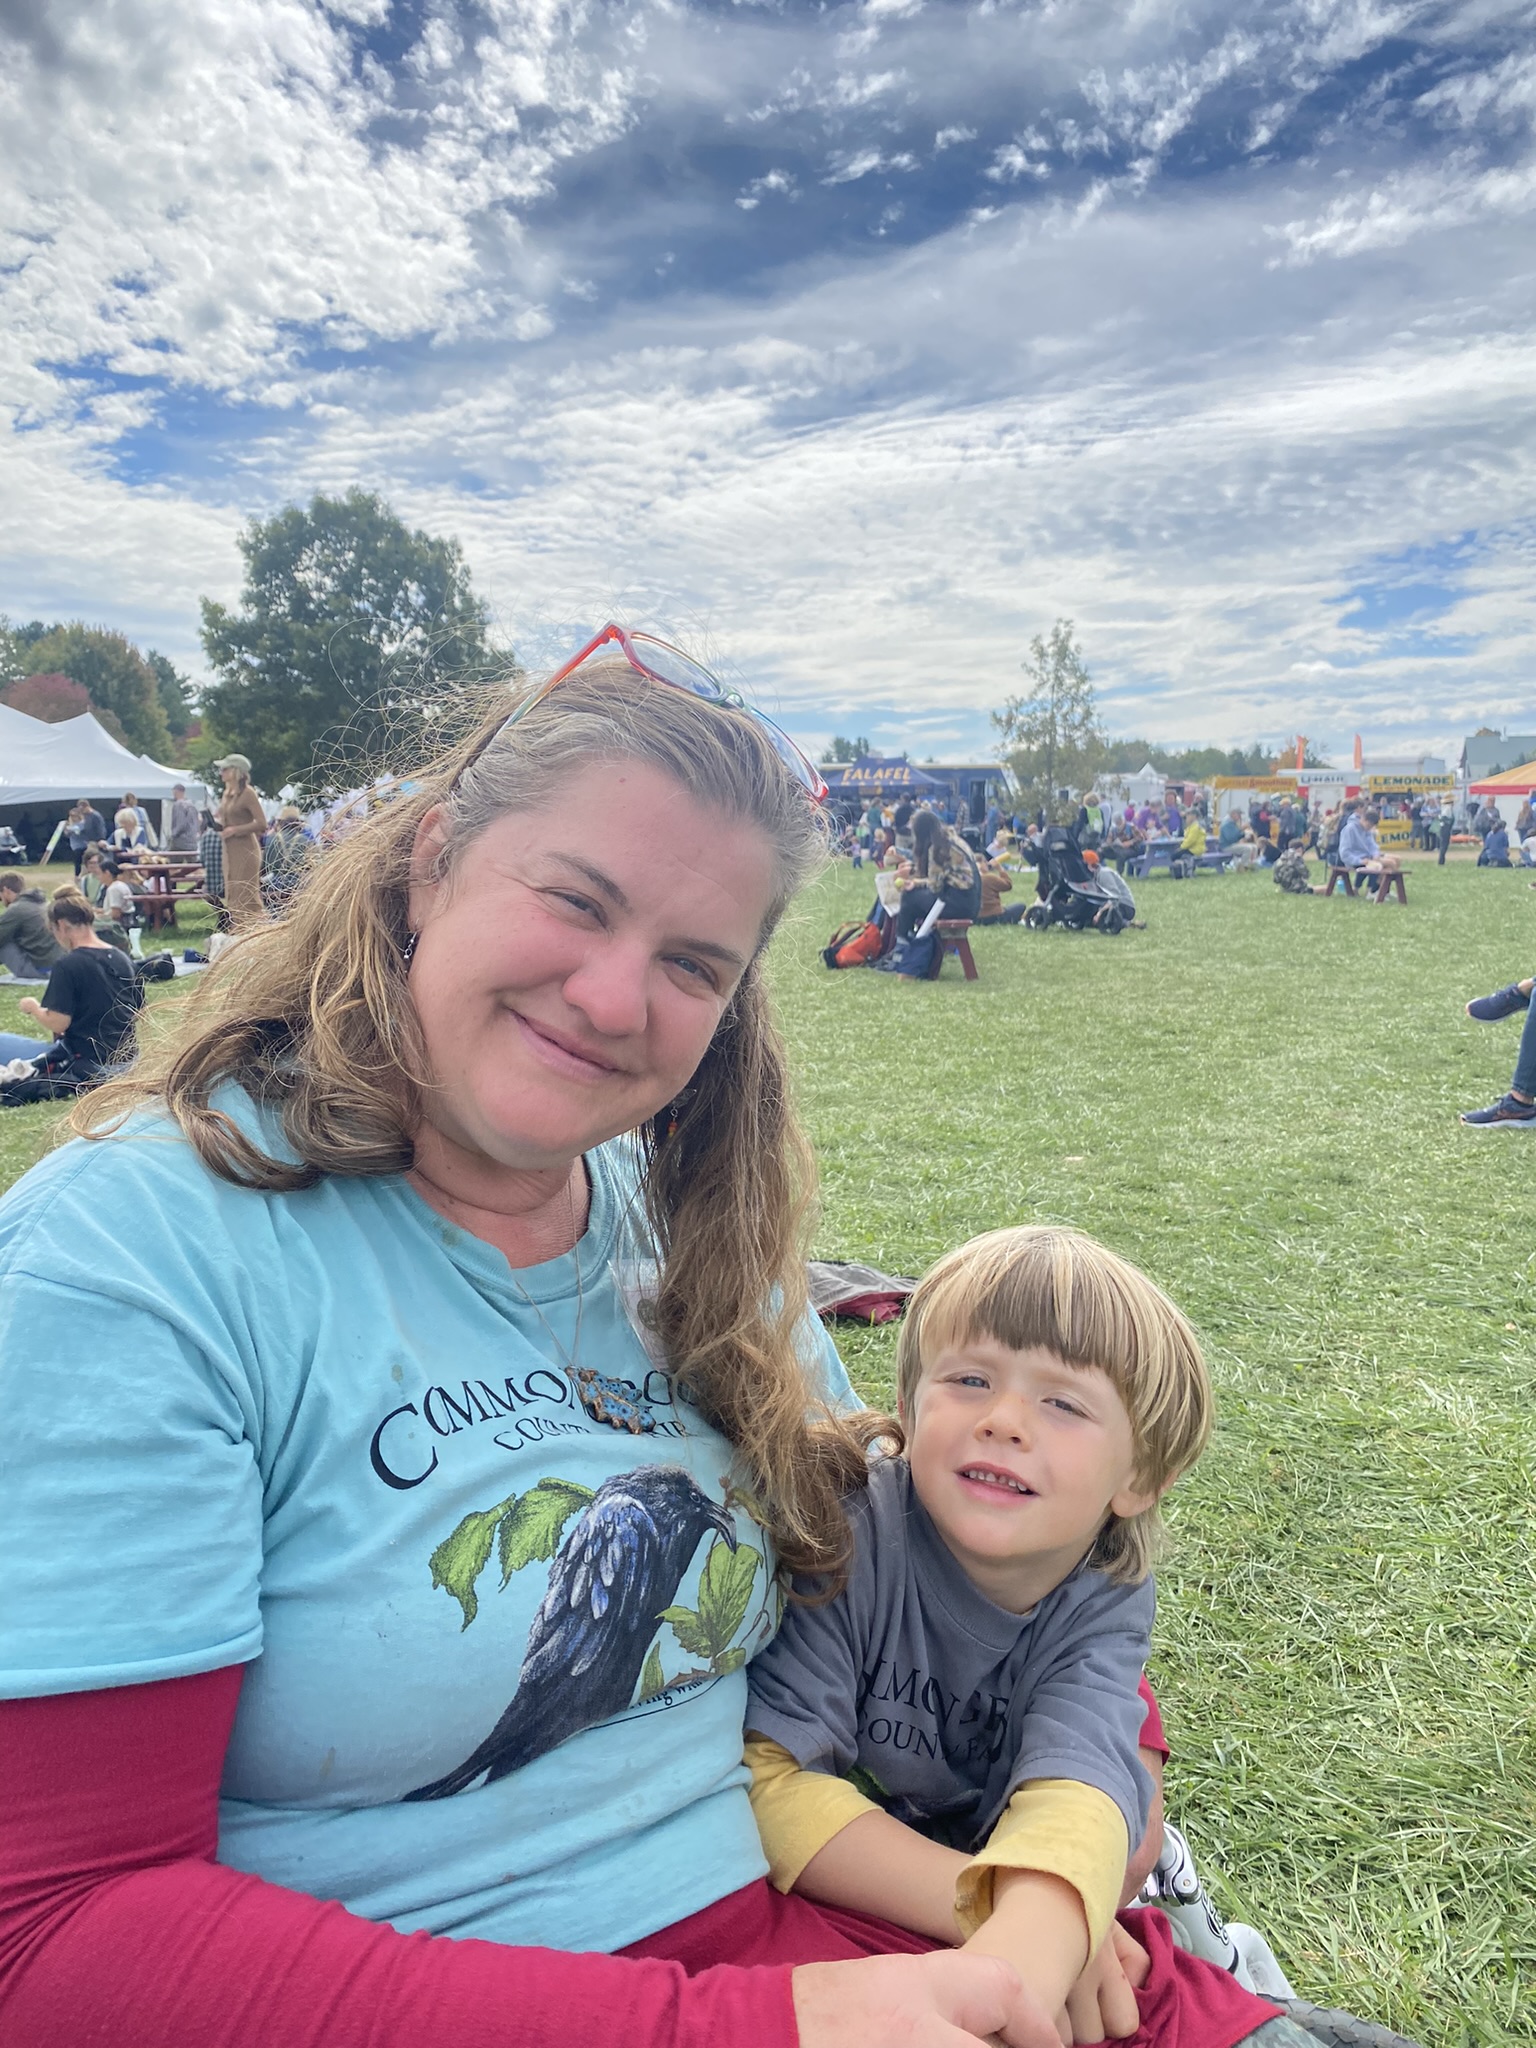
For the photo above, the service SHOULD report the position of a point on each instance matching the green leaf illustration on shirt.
(528, 1528)
(533, 1529)
(652, 1684)
(725, 1589)
(460, 1558)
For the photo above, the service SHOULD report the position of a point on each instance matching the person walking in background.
(185, 823)
(242, 822)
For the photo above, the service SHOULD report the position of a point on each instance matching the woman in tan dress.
(243, 822)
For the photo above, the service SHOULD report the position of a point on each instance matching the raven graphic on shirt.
(613, 1579)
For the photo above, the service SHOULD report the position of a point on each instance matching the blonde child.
(951, 1744)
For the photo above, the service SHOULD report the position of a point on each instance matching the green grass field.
(1255, 1098)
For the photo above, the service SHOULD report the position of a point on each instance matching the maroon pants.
(1185, 2003)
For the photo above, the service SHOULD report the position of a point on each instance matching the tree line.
(359, 641)
(355, 641)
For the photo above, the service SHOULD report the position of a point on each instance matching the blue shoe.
(1506, 1111)
(1502, 1003)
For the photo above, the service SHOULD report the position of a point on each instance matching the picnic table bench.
(155, 888)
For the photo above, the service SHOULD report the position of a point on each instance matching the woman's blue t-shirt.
(331, 1436)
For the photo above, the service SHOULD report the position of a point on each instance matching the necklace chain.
(570, 1356)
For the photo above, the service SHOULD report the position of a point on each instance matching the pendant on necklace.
(616, 1402)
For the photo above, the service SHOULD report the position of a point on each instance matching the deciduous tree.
(111, 669)
(174, 691)
(355, 636)
(50, 698)
(1051, 736)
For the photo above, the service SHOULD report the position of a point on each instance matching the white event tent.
(53, 764)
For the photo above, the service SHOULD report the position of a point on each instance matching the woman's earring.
(408, 950)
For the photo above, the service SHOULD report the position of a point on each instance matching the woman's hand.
(1102, 2003)
(946, 2000)
(29, 1006)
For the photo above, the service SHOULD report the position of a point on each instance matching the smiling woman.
(466, 1211)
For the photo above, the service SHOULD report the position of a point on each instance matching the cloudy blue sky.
(851, 343)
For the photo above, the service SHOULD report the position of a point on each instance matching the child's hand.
(1102, 2003)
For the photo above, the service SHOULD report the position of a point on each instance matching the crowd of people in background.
(1281, 833)
(127, 876)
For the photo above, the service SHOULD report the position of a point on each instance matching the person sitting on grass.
(1291, 873)
(1516, 1107)
(953, 1742)
(93, 878)
(996, 882)
(1495, 853)
(117, 899)
(88, 1007)
(27, 947)
(107, 929)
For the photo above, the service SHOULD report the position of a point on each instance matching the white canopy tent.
(53, 764)
(1147, 786)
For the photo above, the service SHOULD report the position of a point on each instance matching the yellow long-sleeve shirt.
(1072, 1831)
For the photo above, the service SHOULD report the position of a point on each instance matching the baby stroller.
(1073, 894)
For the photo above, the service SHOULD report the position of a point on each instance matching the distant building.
(1490, 753)
(1404, 764)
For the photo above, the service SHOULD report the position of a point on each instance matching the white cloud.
(847, 167)
(1014, 161)
(860, 483)
(230, 191)
(1450, 195)
(758, 189)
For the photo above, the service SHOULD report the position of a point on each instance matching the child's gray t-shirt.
(939, 1704)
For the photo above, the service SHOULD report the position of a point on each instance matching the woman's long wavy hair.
(313, 1018)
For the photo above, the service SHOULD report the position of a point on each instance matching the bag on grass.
(156, 967)
(854, 945)
(912, 956)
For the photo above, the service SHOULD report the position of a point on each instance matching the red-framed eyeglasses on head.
(659, 662)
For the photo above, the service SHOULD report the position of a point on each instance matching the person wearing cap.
(242, 822)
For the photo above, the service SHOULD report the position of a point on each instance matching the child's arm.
(825, 1840)
(1043, 1891)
